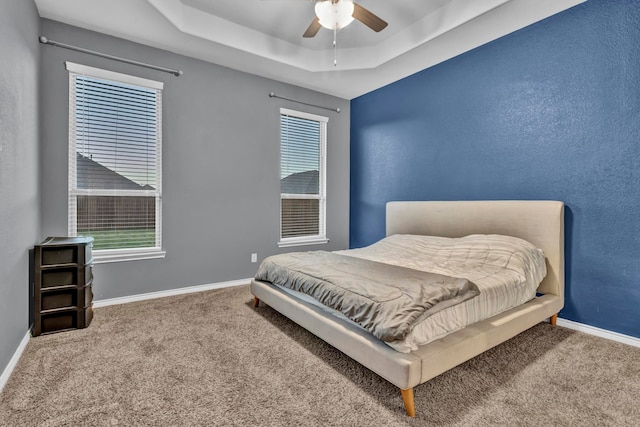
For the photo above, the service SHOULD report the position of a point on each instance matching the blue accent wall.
(549, 112)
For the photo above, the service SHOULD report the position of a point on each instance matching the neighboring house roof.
(300, 183)
(93, 175)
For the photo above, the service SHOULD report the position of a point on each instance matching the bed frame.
(539, 222)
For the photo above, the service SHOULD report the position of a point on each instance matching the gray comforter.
(386, 300)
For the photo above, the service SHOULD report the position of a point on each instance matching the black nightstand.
(62, 280)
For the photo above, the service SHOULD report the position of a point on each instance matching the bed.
(539, 222)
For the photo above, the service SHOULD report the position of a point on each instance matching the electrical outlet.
(254, 257)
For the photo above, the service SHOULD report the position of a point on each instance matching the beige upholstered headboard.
(539, 222)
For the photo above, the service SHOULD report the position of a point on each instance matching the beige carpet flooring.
(211, 359)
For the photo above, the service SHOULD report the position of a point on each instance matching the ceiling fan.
(337, 14)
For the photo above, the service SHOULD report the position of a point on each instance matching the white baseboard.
(603, 333)
(170, 292)
(14, 361)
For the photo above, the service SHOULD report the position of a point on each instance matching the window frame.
(120, 254)
(321, 237)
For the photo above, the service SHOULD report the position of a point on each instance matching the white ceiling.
(264, 37)
(288, 19)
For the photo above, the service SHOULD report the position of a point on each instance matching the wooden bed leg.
(407, 398)
(256, 301)
(553, 319)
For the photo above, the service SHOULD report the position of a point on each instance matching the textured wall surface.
(19, 192)
(549, 112)
(221, 160)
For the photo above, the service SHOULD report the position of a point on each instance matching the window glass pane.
(115, 135)
(300, 217)
(117, 221)
(300, 183)
(300, 155)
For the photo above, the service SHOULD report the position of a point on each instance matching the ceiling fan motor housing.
(335, 15)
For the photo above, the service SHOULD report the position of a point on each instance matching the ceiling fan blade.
(367, 18)
(313, 29)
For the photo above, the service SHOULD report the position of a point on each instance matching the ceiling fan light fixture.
(335, 15)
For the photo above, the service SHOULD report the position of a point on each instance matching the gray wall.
(19, 192)
(220, 164)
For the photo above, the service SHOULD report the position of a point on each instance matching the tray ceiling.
(264, 37)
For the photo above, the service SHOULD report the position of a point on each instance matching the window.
(303, 141)
(115, 163)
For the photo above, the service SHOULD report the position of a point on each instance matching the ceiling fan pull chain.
(335, 49)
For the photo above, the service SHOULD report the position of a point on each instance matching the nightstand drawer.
(59, 277)
(59, 321)
(59, 299)
(62, 255)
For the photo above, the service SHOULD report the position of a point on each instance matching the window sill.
(119, 255)
(302, 242)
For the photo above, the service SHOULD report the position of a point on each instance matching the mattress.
(507, 270)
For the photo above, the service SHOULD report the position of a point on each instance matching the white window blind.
(302, 178)
(114, 159)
